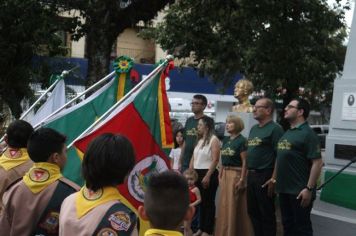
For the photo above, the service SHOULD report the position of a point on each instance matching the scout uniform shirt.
(31, 206)
(262, 144)
(295, 152)
(96, 213)
(14, 163)
(231, 149)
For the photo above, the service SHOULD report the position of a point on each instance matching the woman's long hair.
(176, 145)
(209, 123)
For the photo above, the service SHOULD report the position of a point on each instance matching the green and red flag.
(144, 119)
(75, 120)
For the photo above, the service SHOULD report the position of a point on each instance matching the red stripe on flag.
(129, 123)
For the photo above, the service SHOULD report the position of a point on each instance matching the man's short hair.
(107, 161)
(202, 98)
(270, 104)
(43, 143)
(304, 105)
(18, 133)
(166, 200)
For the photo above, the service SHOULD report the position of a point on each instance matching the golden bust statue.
(243, 89)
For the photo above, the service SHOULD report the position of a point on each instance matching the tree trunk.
(98, 50)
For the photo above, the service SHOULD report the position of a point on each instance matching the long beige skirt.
(232, 217)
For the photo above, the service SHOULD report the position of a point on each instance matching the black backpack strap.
(48, 224)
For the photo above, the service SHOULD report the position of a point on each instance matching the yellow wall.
(129, 44)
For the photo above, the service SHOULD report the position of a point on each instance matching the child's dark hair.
(18, 133)
(107, 161)
(175, 135)
(43, 143)
(162, 211)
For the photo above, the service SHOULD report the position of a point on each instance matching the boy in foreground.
(164, 214)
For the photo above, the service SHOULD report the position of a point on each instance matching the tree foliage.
(27, 27)
(277, 44)
(104, 21)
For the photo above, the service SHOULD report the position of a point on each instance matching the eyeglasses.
(196, 103)
(291, 106)
(258, 107)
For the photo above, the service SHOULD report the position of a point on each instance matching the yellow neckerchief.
(13, 157)
(41, 175)
(87, 199)
(161, 232)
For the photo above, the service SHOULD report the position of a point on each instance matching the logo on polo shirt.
(284, 145)
(227, 152)
(256, 141)
(192, 132)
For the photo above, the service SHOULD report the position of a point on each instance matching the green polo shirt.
(295, 152)
(231, 150)
(190, 140)
(262, 145)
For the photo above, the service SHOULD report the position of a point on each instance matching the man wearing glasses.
(198, 104)
(299, 165)
(261, 155)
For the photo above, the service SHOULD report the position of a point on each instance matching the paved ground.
(332, 220)
(324, 226)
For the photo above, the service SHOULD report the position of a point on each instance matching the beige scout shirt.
(9, 177)
(69, 224)
(23, 209)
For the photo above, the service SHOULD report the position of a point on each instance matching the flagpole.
(39, 99)
(118, 103)
(64, 73)
(76, 98)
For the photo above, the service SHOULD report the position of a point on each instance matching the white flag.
(56, 100)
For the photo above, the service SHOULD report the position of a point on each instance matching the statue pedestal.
(340, 146)
(248, 120)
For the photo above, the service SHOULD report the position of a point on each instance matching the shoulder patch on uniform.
(120, 221)
(51, 222)
(107, 232)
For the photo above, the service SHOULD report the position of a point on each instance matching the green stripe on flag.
(77, 121)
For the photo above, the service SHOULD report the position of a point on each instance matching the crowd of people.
(249, 171)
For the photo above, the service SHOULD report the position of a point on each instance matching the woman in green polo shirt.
(232, 218)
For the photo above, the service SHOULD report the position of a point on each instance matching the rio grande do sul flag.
(144, 119)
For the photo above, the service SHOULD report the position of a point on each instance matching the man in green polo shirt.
(261, 155)
(299, 165)
(198, 103)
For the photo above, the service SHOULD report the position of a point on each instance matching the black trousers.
(207, 205)
(295, 219)
(261, 208)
